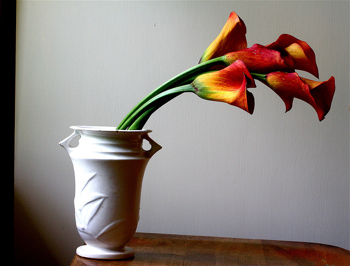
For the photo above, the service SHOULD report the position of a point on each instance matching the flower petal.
(259, 59)
(231, 38)
(227, 85)
(322, 92)
(301, 53)
(289, 86)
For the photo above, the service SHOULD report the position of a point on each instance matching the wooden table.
(161, 249)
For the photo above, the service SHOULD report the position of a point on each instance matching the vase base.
(104, 254)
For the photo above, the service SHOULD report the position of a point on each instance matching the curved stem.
(138, 118)
(142, 119)
(186, 76)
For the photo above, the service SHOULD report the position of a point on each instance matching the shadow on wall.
(29, 247)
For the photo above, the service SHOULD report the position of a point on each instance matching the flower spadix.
(227, 85)
(231, 38)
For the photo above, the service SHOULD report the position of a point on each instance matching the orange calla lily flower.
(322, 92)
(289, 86)
(227, 85)
(301, 54)
(231, 38)
(227, 68)
(259, 59)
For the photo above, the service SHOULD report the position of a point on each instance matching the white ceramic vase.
(108, 167)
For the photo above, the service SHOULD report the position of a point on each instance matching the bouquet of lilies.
(228, 68)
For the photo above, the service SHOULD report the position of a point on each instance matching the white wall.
(221, 172)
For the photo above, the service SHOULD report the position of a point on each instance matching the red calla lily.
(322, 92)
(301, 54)
(289, 86)
(227, 68)
(259, 59)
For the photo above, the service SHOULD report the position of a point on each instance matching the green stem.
(261, 77)
(138, 118)
(142, 119)
(186, 76)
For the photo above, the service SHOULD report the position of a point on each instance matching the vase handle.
(154, 146)
(66, 142)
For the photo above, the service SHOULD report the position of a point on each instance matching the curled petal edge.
(302, 55)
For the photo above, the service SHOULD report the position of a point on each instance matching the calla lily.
(227, 68)
(302, 55)
(322, 92)
(227, 85)
(231, 38)
(259, 59)
(289, 86)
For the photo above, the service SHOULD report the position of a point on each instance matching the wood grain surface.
(162, 249)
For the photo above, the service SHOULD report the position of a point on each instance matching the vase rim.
(107, 129)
